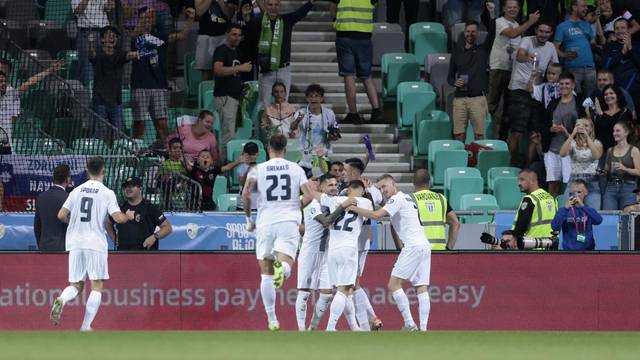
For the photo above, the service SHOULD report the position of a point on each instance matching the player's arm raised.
(327, 220)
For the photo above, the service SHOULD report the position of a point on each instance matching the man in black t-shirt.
(215, 16)
(139, 234)
(228, 83)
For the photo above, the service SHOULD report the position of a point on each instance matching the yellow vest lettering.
(432, 208)
(354, 15)
(544, 210)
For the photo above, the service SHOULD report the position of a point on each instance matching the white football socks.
(337, 307)
(268, 292)
(301, 309)
(286, 269)
(350, 314)
(361, 300)
(321, 306)
(69, 293)
(403, 305)
(424, 306)
(93, 303)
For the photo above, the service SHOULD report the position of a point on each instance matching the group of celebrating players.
(337, 233)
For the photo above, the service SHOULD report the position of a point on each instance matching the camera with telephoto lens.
(529, 243)
(489, 239)
(334, 132)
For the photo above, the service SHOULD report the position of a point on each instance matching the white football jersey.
(278, 181)
(365, 234)
(89, 205)
(405, 219)
(316, 235)
(346, 229)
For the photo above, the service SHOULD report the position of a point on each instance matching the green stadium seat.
(220, 186)
(89, 146)
(500, 172)
(397, 68)
(478, 202)
(48, 146)
(499, 156)
(195, 77)
(116, 173)
(443, 154)
(427, 38)
(507, 192)
(413, 97)
(227, 202)
(435, 126)
(70, 58)
(205, 95)
(488, 131)
(58, 11)
(126, 97)
(186, 73)
(127, 146)
(459, 181)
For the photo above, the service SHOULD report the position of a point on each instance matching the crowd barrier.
(220, 291)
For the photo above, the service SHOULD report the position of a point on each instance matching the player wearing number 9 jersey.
(280, 183)
(86, 211)
(414, 261)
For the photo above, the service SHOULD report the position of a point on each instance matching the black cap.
(133, 181)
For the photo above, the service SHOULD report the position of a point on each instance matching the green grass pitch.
(187, 345)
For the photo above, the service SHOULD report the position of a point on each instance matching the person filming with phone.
(576, 219)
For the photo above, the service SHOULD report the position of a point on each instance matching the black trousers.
(411, 8)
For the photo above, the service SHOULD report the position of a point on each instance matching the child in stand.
(543, 94)
(204, 171)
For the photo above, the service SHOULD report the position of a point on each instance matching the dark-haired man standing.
(49, 230)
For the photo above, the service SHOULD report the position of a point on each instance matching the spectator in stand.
(635, 208)
(573, 43)
(10, 98)
(543, 94)
(49, 230)
(91, 17)
(411, 10)
(148, 79)
(622, 167)
(249, 157)
(533, 55)
(108, 62)
(623, 59)
(316, 123)
(457, 9)
(278, 117)
(468, 73)
(576, 219)
(560, 119)
(508, 36)
(228, 84)
(585, 152)
(169, 176)
(354, 24)
(605, 78)
(175, 163)
(198, 136)
(204, 171)
(609, 112)
(608, 17)
(247, 47)
(273, 32)
(337, 170)
(215, 17)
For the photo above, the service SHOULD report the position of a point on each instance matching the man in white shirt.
(507, 40)
(91, 16)
(280, 183)
(86, 211)
(342, 256)
(414, 261)
(533, 56)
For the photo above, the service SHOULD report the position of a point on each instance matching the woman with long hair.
(610, 108)
(623, 168)
(585, 151)
(278, 117)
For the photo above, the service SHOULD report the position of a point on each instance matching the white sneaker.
(89, 329)
(410, 328)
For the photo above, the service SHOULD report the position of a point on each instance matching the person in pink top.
(198, 137)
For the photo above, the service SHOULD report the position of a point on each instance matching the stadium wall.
(219, 291)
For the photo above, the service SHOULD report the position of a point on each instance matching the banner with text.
(221, 292)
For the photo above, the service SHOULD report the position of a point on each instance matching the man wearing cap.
(636, 206)
(249, 157)
(139, 234)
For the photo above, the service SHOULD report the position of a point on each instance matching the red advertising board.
(493, 291)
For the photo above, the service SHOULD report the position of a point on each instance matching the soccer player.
(313, 272)
(86, 210)
(354, 167)
(414, 262)
(279, 183)
(343, 251)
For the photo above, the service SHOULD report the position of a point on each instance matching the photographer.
(576, 219)
(506, 242)
(537, 209)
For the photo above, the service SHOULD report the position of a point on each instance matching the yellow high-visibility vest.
(544, 210)
(432, 209)
(354, 15)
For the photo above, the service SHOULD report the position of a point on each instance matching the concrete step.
(313, 46)
(315, 77)
(367, 128)
(313, 25)
(351, 148)
(354, 138)
(382, 167)
(287, 6)
(341, 109)
(313, 36)
(313, 56)
(405, 187)
(328, 67)
(400, 177)
(329, 98)
(381, 157)
(328, 87)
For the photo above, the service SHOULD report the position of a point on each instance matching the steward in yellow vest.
(536, 211)
(434, 213)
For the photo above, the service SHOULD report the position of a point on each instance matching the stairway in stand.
(313, 60)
